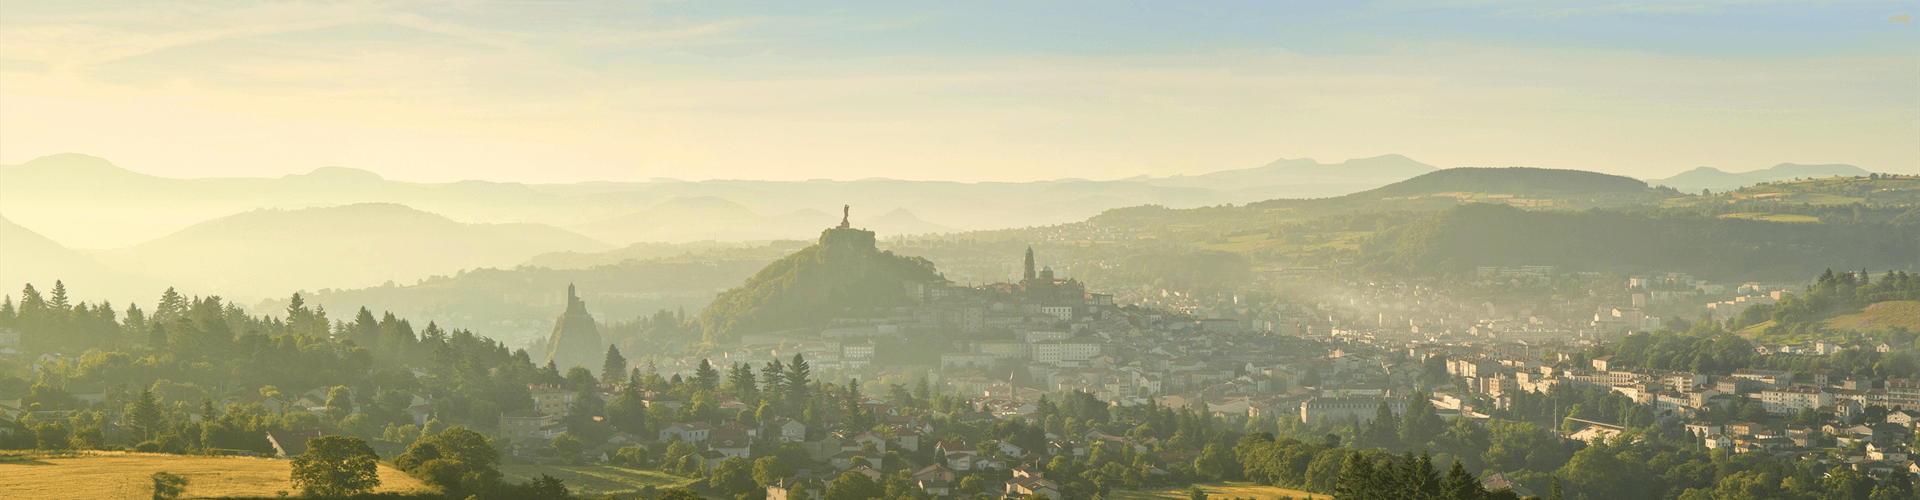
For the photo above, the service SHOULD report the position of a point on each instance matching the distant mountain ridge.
(1719, 180)
(88, 202)
(1442, 188)
(269, 252)
(1390, 166)
(1509, 180)
(28, 257)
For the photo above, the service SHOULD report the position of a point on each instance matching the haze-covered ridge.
(28, 257)
(1719, 180)
(87, 202)
(1508, 180)
(266, 252)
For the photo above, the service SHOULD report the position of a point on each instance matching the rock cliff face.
(576, 337)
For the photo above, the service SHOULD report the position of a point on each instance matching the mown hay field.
(595, 479)
(1881, 316)
(1220, 491)
(115, 475)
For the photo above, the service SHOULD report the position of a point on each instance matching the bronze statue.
(845, 212)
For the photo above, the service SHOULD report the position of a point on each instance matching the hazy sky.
(540, 91)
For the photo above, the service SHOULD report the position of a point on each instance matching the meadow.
(1880, 316)
(595, 479)
(1221, 491)
(1771, 217)
(121, 475)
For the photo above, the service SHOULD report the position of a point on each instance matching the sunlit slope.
(125, 476)
(1531, 188)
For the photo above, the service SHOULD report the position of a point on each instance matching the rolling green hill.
(1517, 181)
(1880, 316)
(1836, 191)
(1454, 241)
(1434, 191)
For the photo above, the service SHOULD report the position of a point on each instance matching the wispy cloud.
(616, 90)
(1618, 8)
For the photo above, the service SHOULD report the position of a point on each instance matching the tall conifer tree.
(615, 365)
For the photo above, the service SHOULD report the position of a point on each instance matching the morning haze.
(1066, 251)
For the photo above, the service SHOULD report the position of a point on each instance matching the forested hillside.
(1454, 241)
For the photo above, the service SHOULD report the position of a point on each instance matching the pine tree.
(1422, 422)
(144, 418)
(1405, 479)
(1426, 479)
(773, 380)
(135, 322)
(59, 299)
(858, 418)
(366, 329)
(615, 365)
(799, 374)
(1356, 479)
(171, 306)
(741, 385)
(157, 336)
(298, 316)
(30, 301)
(318, 326)
(1383, 431)
(1461, 485)
(396, 337)
(652, 381)
(1555, 493)
(707, 377)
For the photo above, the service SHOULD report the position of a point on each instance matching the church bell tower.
(1030, 274)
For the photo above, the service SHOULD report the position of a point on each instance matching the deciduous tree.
(335, 466)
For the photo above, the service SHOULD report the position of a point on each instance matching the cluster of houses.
(1868, 421)
(847, 450)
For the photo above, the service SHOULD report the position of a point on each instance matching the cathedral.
(1042, 287)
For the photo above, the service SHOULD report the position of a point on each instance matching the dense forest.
(1454, 241)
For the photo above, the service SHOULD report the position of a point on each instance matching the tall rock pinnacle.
(576, 336)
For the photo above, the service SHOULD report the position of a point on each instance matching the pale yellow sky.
(442, 92)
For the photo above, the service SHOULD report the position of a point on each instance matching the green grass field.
(114, 475)
(1754, 329)
(1753, 333)
(1220, 491)
(1880, 316)
(1263, 241)
(1772, 217)
(595, 479)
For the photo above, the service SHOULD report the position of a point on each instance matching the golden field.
(1220, 491)
(594, 479)
(116, 475)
